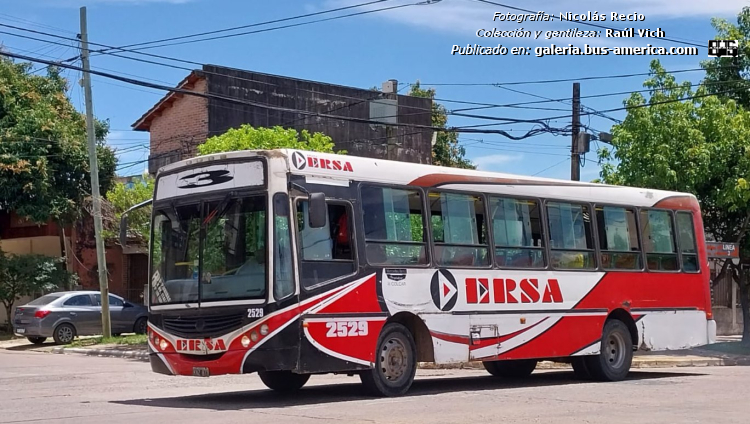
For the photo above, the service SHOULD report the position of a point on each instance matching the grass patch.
(735, 348)
(135, 339)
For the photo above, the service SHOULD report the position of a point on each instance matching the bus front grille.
(203, 326)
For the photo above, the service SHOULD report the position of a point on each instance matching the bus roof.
(336, 169)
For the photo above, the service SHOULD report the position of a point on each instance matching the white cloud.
(490, 162)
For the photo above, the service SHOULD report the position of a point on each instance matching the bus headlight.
(156, 340)
(163, 344)
(254, 336)
(263, 330)
(245, 341)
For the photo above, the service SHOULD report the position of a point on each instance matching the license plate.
(20, 330)
(200, 371)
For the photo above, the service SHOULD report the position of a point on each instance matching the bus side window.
(326, 253)
(517, 229)
(394, 226)
(618, 238)
(686, 230)
(571, 238)
(458, 229)
(659, 240)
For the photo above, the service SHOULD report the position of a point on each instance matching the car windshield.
(44, 300)
(212, 251)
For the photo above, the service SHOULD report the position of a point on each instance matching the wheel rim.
(615, 350)
(394, 360)
(65, 334)
(142, 326)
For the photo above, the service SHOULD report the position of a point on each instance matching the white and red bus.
(290, 263)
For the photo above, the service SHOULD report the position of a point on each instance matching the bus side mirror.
(317, 210)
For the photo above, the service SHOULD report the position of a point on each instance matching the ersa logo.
(507, 290)
(444, 290)
(200, 346)
(301, 162)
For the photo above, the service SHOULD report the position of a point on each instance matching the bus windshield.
(209, 251)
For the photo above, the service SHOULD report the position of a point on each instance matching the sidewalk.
(726, 352)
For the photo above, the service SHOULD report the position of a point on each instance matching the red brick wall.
(182, 126)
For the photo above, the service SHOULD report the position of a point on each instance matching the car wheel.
(141, 325)
(283, 381)
(37, 340)
(395, 363)
(517, 368)
(64, 333)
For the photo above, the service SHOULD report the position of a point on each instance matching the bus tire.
(395, 363)
(518, 368)
(580, 369)
(616, 355)
(283, 381)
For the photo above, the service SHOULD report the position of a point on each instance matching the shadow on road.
(354, 391)
(32, 347)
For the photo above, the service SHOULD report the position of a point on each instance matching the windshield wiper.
(221, 208)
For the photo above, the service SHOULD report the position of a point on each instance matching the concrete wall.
(723, 317)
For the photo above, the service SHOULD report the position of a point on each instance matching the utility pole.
(390, 88)
(575, 158)
(93, 164)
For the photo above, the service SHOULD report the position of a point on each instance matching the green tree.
(123, 198)
(27, 275)
(44, 160)
(700, 146)
(247, 137)
(447, 151)
(725, 76)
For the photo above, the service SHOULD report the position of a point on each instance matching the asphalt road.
(37, 387)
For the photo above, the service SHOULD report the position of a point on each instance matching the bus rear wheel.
(616, 355)
(283, 381)
(518, 368)
(395, 363)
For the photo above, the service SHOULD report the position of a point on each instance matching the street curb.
(139, 356)
(637, 363)
(543, 365)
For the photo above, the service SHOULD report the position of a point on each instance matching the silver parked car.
(65, 315)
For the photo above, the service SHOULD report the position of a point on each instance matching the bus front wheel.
(395, 363)
(616, 356)
(283, 381)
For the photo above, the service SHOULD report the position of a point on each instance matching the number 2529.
(346, 328)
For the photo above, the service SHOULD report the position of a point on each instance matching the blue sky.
(407, 44)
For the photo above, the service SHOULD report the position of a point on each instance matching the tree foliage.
(447, 151)
(123, 197)
(700, 146)
(247, 137)
(44, 160)
(27, 275)
(727, 76)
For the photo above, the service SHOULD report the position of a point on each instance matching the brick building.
(179, 122)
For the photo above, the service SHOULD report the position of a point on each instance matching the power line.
(275, 21)
(220, 37)
(687, 43)
(550, 167)
(553, 81)
(266, 106)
